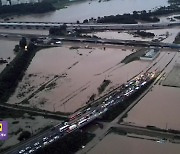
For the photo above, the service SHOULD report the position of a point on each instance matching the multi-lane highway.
(84, 117)
(89, 26)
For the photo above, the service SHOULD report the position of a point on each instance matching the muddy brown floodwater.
(84, 70)
(116, 144)
(160, 107)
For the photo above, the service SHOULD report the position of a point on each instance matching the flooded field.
(94, 8)
(165, 35)
(125, 35)
(81, 72)
(160, 108)
(6, 51)
(116, 144)
(173, 78)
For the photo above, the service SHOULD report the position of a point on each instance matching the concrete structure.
(151, 54)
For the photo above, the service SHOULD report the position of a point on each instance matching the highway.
(89, 26)
(90, 40)
(82, 118)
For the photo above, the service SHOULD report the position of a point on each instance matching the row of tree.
(144, 34)
(148, 16)
(14, 71)
(126, 18)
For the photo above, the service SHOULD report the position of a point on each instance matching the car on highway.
(38, 147)
(28, 148)
(63, 128)
(31, 151)
(37, 143)
(81, 122)
(45, 138)
(50, 141)
(56, 137)
(45, 143)
(21, 151)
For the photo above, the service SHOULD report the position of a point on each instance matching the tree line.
(14, 71)
(127, 18)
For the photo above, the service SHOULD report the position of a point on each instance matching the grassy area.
(103, 86)
(134, 56)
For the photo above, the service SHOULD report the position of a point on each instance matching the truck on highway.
(82, 121)
(63, 128)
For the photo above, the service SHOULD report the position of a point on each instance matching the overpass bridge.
(92, 40)
(87, 26)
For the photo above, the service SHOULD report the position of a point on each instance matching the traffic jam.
(84, 117)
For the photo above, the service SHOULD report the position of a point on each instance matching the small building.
(151, 54)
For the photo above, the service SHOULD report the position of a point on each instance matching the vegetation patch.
(14, 72)
(134, 56)
(26, 8)
(103, 86)
(177, 39)
(144, 34)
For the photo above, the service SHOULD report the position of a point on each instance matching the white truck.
(63, 128)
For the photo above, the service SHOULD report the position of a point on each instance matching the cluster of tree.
(150, 16)
(59, 31)
(24, 135)
(14, 71)
(174, 2)
(144, 34)
(103, 86)
(165, 10)
(67, 145)
(120, 19)
(27, 8)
